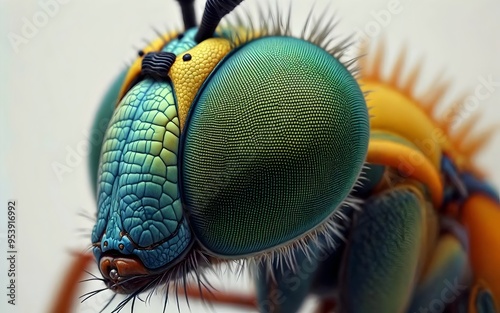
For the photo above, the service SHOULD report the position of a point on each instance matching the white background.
(50, 86)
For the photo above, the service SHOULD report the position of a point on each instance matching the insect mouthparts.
(113, 274)
(120, 273)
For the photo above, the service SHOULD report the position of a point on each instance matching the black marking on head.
(140, 53)
(215, 10)
(157, 64)
(180, 36)
(186, 57)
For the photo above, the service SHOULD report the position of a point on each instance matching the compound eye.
(273, 144)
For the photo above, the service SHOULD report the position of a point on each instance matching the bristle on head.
(277, 21)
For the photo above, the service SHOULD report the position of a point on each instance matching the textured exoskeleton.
(245, 142)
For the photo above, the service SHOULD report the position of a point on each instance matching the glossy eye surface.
(273, 144)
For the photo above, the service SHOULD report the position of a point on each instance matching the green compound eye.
(274, 143)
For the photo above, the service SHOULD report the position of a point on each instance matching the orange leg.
(69, 287)
(68, 290)
(481, 217)
(192, 291)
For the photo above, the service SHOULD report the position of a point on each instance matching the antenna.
(215, 10)
(188, 14)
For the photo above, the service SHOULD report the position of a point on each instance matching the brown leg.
(219, 297)
(67, 291)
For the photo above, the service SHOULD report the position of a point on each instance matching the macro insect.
(245, 143)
